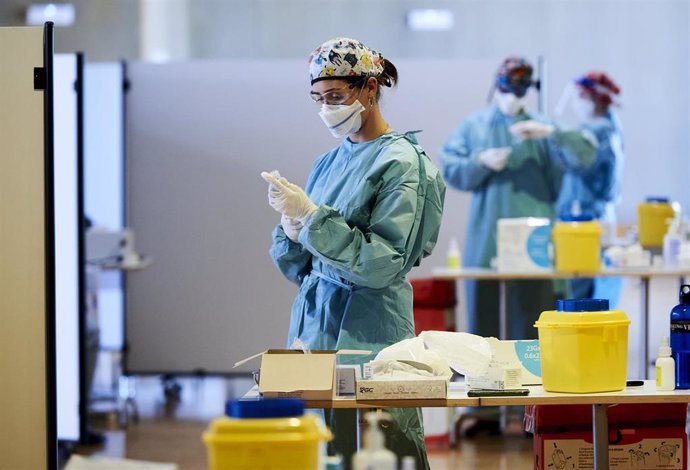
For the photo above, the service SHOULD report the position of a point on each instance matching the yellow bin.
(584, 347)
(265, 439)
(577, 242)
(654, 216)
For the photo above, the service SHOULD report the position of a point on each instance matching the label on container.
(681, 326)
(646, 454)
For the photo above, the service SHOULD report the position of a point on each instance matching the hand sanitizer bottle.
(665, 368)
(374, 455)
(453, 254)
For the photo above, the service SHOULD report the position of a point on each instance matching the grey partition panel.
(199, 134)
(26, 390)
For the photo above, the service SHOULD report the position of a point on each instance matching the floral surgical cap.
(344, 57)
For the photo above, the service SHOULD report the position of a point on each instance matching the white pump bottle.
(374, 455)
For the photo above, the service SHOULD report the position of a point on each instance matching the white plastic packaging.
(408, 463)
(665, 368)
(374, 455)
(672, 241)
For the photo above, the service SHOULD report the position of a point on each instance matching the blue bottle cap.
(661, 199)
(576, 218)
(265, 408)
(582, 305)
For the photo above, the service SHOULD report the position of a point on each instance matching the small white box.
(522, 353)
(524, 244)
(497, 377)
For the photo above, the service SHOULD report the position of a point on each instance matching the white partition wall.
(199, 134)
(67, 239)
(104, 197)
(27, 335)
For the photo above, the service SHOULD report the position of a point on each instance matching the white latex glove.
(495, 158)
(288, 198)
(531, 130)
(291, 227)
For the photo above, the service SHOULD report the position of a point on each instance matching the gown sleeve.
(461, 169)
(374, 256)
(291, 259)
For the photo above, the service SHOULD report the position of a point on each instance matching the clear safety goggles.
(338, 95)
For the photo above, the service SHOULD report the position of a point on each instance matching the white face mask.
(342, 119)
(508, 103)
(583, 108)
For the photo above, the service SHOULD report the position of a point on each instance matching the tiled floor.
(170, 430)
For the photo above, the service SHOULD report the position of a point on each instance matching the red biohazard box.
(433, 293)
(641, 437)
(433, 319)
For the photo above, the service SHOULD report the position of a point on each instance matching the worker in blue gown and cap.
(512, 161)
(594, 191)
(370, 211)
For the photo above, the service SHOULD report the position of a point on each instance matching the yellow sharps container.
(654, 217)
(583, 347)
(271, 434)
(577, 242)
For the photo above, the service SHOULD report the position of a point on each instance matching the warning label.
(648, 454)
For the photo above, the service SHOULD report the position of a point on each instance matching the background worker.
(594, 191)
(513, 163)
(371, 211)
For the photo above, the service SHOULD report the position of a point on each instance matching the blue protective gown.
(597, 186)
(380, 205)
(528, 186)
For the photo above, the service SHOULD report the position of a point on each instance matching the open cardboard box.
(292, 373)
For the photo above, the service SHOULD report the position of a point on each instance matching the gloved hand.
(288, 198)
(495, 158)
(531, 129)
(291, 227)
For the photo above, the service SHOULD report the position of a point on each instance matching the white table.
(457, 396)
(485, 274)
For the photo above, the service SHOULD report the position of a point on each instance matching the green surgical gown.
(528, 187)
(379, 213)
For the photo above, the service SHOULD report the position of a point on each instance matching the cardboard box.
(291, 373)
(524, 353)
(375, 389)
(524, 244)
(634, 449)
(641, 436)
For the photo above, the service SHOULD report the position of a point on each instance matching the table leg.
(502, 309)
(503, 334)
(644, 311)
(358, 417)
(600, 431)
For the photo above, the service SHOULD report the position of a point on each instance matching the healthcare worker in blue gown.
(512, 161)
(370, 211)
(594, 191)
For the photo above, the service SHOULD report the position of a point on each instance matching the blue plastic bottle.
(680, 338)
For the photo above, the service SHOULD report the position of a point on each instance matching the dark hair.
(388, 78)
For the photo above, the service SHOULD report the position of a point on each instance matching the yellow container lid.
(582, 313)
(591, 227)
(554, 319)
(308, 427)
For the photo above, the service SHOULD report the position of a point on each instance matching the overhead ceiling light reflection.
(429, 19)
(61, 14)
